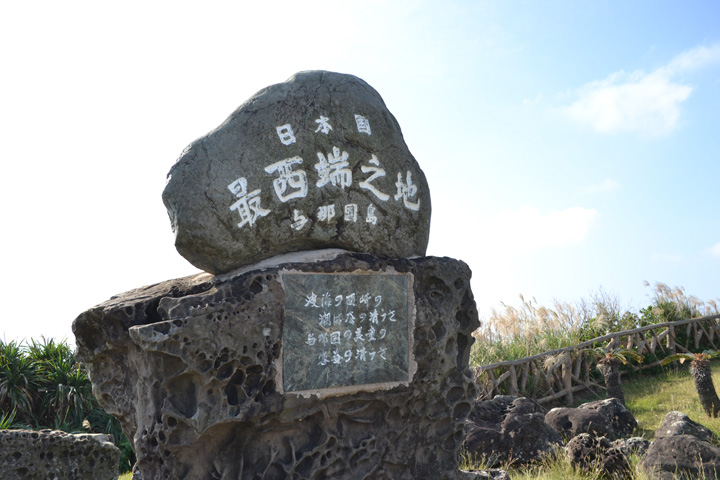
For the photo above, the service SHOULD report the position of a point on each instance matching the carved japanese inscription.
(316, 162)
(333, 168)
(346, 330)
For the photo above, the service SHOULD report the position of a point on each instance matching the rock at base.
(603, 418)
(677, 423)
(681, 457)
(571, 422)
(191, 368)
(622, 421)
(508, 429)
(51, 454)
(596, 455)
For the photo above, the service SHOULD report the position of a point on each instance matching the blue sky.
(569, 146)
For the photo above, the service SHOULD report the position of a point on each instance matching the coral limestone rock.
(245, 376)
(51, 454)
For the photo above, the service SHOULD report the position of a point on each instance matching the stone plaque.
(346, 330)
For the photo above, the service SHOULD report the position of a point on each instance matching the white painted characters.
(248, 204)
(406, 190)
(377, 172)
(334, 169)
(296, 180)
(362, 123)
(286, 134)
(323, 125)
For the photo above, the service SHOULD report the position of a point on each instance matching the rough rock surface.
(51, 454)
(623, 422)
(315, 162)
(190, 368)
(508, 428)
(489, 474)
(632, 445)
(677, 423)
(681, 457)
(604, 418)
(596, 455)
(571, 422)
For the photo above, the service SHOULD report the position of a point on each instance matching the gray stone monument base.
(253, 374)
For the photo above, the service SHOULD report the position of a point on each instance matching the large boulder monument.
(321, 343)
(315, 162)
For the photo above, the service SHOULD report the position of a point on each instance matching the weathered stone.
(507, 429)
(677, 423)
(596, 455)
(571, 422)
(632, 445)
(488, 474)
(681, 457)
(51, 454)
(193, 370)
(623, 422)
(603, 418)
(315, 162)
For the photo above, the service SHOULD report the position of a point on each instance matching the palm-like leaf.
(19, 381)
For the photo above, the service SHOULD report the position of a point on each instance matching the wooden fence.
(552, 375)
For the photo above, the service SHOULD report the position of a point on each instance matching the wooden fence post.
(567, 377)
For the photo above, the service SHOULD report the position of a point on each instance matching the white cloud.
(695, 58)
(714, 251)
(605, 186)
(527, 229)
(647, 104)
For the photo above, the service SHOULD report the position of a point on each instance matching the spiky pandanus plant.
(702, 376)
(609, 363)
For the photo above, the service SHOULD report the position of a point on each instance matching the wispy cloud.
(606, 186)
(714, 251)
(647, 104)
(528, 229)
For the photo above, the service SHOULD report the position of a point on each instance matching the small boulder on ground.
(622, 421)
(487, 474)
(571, 422)
(677, 423)
(509, 429)
(603, 418)
(597, 455)
(632, 445)
(681, 457)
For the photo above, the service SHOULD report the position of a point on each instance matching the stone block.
(55, 455)
(194, 369)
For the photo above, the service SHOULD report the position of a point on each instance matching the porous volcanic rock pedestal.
(315, 162)
(55, 455)
(196, 371)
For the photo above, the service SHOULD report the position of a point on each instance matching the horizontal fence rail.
(560, 373)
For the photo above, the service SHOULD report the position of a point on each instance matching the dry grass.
(514, 332)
